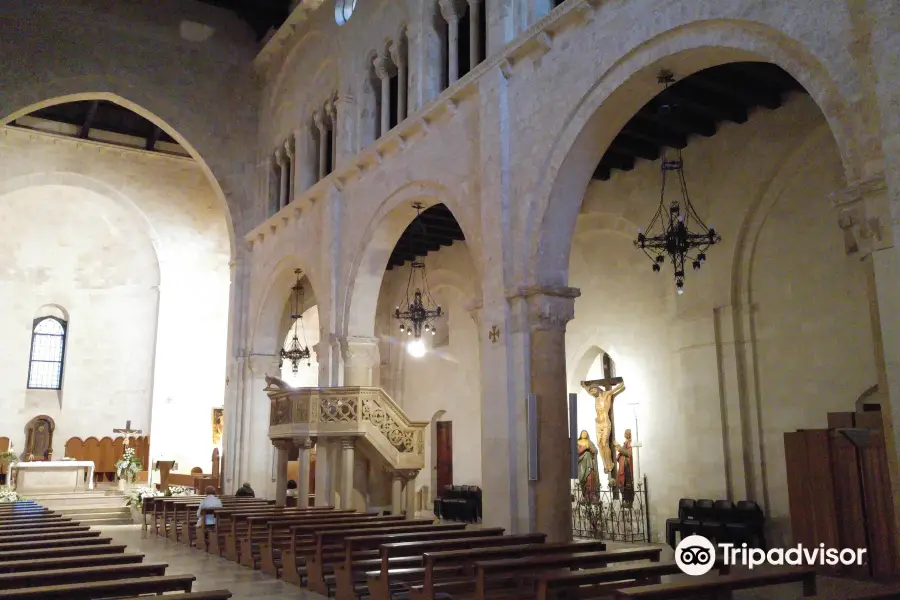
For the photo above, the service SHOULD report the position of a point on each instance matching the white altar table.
(54, 476)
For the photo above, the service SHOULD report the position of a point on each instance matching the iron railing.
(615, 514)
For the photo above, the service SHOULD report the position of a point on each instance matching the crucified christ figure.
(604, 392)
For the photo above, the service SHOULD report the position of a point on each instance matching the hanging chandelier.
(420, 310)
(675, 232)
(296, 353)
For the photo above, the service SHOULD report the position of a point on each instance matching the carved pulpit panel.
(39, 438)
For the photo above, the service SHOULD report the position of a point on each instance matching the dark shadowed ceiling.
(261, 15)
(701, 102)
(431, 230)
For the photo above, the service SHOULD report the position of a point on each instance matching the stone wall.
(134, 247)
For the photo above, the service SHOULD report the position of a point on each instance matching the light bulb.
(409, 332)
(416, 348)
(680, 291)
(433, 331)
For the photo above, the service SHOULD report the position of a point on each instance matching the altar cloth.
(54, 476)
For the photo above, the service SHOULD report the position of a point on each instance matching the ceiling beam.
(680, 122)
(706, 105)
(89, 119)
(658, 137)
(742, 89)
(154, 137)
(633, 147)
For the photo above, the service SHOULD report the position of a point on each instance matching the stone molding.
(283, 445)
(359, 351)
(864, 216)
(546, 307)
(260, 364)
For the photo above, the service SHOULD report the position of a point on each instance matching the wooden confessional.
(840, 492)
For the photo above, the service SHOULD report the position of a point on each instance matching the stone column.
(324, 495)
(282, 447)
(549, 309)
(397, 493)
(398, 56)
(281, 160)
(475, 41)
(345, 134)
(319, 120)
(383, 71)
(305, 446)
(361, 364)
(348, 464)
(451, 13)
(288, 196)
(256, 458)
(411, 495)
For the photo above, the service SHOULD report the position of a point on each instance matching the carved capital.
(319, 120)
(398, 53)
(289, 148)
(407, 474)
(864, 216)
(279, 155)
(548, 307)
(383, 66)
(304, 443)
(451, 10)
(283, 445)
(359, 351)
(330, 109)
(348, 443)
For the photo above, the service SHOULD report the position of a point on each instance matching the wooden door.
(444, 459)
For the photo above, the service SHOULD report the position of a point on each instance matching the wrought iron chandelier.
(669, 234)
(296, 353)
(420, 310)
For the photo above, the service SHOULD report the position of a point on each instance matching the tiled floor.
(213, 573)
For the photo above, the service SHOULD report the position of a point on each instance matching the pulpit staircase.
(367, 414)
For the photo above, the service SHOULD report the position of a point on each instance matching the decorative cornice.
(859, 191)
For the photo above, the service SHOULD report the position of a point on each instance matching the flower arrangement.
(135, 497)
(9, 457)
(128, 466)
(179, 490)
(7, 495)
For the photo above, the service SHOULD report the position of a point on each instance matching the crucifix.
(604, 392)
(128, 431)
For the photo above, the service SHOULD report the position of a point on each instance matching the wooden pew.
(104, 589)
(550, 584)
(302, 544)
(31, 523)
(44, 535)
(329, 549)
(38, 551)
(402, 562)
(200, 536)
(216, 539)
(184, 516)
(166, 510)
(889, 592)
(53, 577)
(720, 584)
(24, 532)
(213, 595)
(69, 562)
(257, 540)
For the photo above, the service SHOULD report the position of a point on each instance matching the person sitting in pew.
(292, 490)
(245, 492)
(211, 501)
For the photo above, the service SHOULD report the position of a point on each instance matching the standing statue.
(625, 475)
(603, 403)
(588, 475)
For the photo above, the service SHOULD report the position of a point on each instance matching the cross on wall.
(128, 432)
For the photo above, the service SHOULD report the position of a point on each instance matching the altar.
(54, 476)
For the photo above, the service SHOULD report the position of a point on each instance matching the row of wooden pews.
(352, 555)
(45, 555)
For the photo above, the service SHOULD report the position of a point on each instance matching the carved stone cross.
(128, 431)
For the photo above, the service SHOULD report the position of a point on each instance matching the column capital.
(279, 154)
(398, 57)
(288, 148)
(330, 109)
(548, 307)
(864, 216)
(383, 66)
(451, 10)
(359, 351)
(318, 118)
(285, 445)
(407, 474)
(305, 443)
(263, 364)
(348, 443)
(474, 2)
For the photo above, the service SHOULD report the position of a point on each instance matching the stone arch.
(367, 265)
(269, 323)
(311, 39)
(92, 184)
(61, 92)
(621, 90)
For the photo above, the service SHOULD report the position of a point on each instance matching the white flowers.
(179, 490)
(7, 496)
(135, 496)
(128, 466)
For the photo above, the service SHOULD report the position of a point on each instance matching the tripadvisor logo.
(696, 555)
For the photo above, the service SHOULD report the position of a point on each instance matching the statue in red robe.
(625, 474)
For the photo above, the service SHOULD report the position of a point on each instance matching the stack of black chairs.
(721, 522)
(459, 503)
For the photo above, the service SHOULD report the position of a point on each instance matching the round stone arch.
(630, 83)
(271, 323)
(61, 92)
(311, 39)
(367, 265)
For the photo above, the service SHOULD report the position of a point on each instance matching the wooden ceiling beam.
(633, 147)
(154, 137)
(89, 119)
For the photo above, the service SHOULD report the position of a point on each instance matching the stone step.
(89, 510)
(126, 520)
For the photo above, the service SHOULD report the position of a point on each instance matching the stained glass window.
(342, 10)
(48, 348)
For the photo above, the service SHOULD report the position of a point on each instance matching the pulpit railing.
(366, 412)
(615, 514)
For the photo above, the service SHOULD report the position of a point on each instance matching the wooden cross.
(609, 382)
(128, 431)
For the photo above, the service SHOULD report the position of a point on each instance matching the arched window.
(48, 349)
